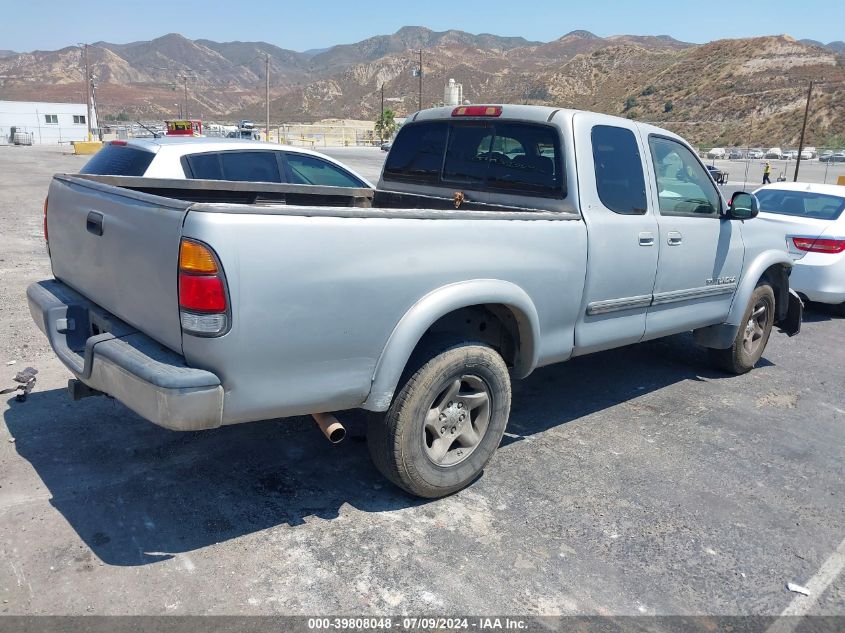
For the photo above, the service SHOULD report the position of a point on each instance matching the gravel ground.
(635, 481)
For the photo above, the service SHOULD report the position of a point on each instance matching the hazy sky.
(37, 24)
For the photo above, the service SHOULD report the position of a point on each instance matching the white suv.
(221, 159)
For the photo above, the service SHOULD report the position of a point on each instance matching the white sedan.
(810, 218)
(221, 159)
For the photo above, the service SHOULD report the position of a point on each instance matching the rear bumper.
(111, 356)
(820, 278)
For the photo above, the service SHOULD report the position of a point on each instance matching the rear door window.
(310, 170)
(619, 170)
(250, 166)
(119, 160)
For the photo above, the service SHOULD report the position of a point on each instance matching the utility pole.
(267, 95)
(421, 73)
(381, 118)
(88, 92)
(185, 83)
(803, 129)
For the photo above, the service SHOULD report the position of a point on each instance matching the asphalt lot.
(635, 481)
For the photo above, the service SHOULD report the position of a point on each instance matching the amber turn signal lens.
(196, 258)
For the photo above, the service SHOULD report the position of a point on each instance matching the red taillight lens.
(203, 293)
(477, 110)
(118, 143)
(45, 220)
(819, 245)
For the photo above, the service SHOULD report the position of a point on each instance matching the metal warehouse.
(35, 122)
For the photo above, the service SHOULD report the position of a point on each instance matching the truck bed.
(271, 196)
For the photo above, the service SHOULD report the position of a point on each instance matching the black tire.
(405, 448)
(752, 337)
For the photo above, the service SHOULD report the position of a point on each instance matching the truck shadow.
(137, 494)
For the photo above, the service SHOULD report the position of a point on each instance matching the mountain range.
(726, 92)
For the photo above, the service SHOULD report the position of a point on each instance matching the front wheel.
(445, 422)
(750, 341)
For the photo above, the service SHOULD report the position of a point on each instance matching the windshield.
(805, 204)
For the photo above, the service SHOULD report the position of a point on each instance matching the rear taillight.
(121, 143)
(203, 297)
(46, 237)
(819, 244)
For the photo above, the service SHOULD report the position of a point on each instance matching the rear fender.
(417, 320)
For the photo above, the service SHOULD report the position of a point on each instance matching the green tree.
(630, 102)
(648, 90)
(386, 124)
(668, 106)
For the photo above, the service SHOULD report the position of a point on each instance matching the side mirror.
(743, 206)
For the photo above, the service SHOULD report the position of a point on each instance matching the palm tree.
(386, 124)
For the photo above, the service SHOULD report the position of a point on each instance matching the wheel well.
(494, 324)
(777, 276)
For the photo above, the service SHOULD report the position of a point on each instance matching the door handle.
(675, 238)
(94, 223)
(646, 238)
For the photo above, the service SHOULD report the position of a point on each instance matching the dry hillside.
(727, 92)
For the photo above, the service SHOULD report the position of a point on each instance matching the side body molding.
(439, 303)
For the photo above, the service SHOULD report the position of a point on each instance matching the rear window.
(804, 204)
(506, 157)
(417, 153)
(119, 160)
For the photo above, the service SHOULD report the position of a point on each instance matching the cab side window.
(619, 170)
(683, 185)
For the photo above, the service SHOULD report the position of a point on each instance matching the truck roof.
(540, 114)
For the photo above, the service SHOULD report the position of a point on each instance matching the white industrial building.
(35, 122)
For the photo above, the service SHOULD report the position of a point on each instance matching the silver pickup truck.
(499, 239)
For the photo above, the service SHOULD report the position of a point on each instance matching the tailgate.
(120, 249)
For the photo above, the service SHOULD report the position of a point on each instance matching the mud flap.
(791, 323)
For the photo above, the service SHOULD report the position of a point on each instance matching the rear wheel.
(750, 341)
(445, 422)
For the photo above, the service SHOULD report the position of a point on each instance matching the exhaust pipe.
(330, 426)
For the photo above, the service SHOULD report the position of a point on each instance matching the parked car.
(220, 159)
(385, 147)
(826, 156)
(721, 177)
(755, 153)
(791, 154)
(774, 152)
(716, 152)
(807, 154)
(838, 157)
(735, 154)
(810, 218)
(417, 301)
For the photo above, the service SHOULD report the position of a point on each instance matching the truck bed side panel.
(315, 299)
